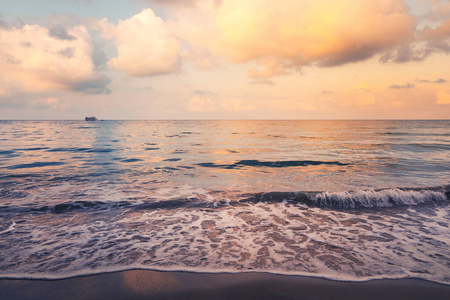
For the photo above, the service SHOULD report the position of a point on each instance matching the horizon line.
(100, 120)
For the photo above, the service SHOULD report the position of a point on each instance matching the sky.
(224, 59)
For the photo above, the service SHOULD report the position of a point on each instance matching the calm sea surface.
(346, 200)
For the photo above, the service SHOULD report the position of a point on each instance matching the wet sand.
(145, 284)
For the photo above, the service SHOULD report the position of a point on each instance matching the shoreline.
(149, 284)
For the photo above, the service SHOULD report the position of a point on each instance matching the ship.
(90, 119)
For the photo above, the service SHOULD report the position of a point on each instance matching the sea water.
(345, 200)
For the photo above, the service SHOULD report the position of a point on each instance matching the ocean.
(343, 200)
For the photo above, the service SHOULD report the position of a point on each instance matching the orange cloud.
(272, 67)
(440, 32)
(288, 34)
(144, 44)
(35, 58)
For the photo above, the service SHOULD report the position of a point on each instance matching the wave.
(38, 164)
(32, 149)
(6, 152)
(381, 198)
(77, 149)
(271, 164)
(131, 160)
(423, 147)
(414, 133)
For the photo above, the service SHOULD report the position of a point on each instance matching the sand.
(145, 284)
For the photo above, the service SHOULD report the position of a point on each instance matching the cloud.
(33, 60)
(183, 3)
(203, 93)
(67, 52)
(56, 104)
(428, 41)
(175, 2)
(61, 33)
(406, 53)
(262, 81)
(283, 36)
(271, 67)
(235, 104)
(97, 86)
(439, 80)
(208, 103)
(438, 33)
(2, 22)
(13, 102)
(24, 101)
(201, 104)
(439, 10)
(145, 45)
(406, 86)
(98, 55)
(438, 38)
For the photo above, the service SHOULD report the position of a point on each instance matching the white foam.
(372, 198)
(282, 238)
(10, 228)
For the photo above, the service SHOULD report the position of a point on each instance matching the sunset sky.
(225, 59)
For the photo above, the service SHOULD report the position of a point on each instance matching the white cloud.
(144, 43)
(34, 59)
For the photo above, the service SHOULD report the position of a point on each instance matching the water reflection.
(234, 155)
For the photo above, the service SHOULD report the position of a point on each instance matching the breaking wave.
(384, 198)
(381, 198)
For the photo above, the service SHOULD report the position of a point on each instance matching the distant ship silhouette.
(90, 119)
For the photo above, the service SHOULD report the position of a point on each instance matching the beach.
(146, 284)
(228, 203)
(210, 149)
